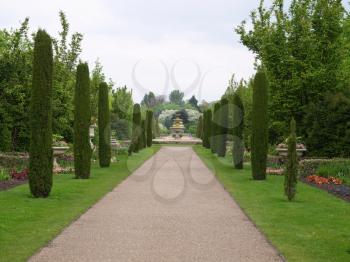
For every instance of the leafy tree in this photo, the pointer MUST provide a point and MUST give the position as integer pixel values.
(149, 125)
(291, 173)
(82, 118)
(215, 128)
(259, 126)
(176, 97)
(136, 129)
(121, 117)
(40, 152)
(104, 126)
(149, 100)
(222, 127)
(97, 77)
(193, 101)
(238, 127)
(302, 50)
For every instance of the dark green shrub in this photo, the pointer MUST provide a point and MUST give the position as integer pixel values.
(104, 126)
(82, 118)
(40, 152)
(291, 173)
(149, 125)
(215, 128)
(136, 129)
(223, 127)
(238, 127)
(259, 138)
(207, 122)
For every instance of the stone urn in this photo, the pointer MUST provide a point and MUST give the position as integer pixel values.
(58, 151)
(282, 150)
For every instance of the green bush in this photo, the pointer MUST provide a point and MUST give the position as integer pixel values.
(207, 128)
(40, 151)
(104, 126)
(4, 176)
(82, 118)
(291, 173)
(259, 137)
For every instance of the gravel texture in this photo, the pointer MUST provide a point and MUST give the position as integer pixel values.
(170, 209)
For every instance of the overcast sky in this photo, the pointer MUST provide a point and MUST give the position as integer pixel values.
(154, 45)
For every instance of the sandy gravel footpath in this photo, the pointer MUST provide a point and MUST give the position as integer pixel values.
(170, 209)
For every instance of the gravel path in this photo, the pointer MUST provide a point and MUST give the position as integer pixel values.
(170, 209)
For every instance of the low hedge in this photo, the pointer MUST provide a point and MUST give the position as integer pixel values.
(14, 160)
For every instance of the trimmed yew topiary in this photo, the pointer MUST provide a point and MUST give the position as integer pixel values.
(104, 126)
(222, 127)
(149, 125)
(259, 139)
(207, 128)
(215, 128)
(82, 117)
(238, 127)
(40, 151)
(143, 137)
(136, 129)
(291, 173)
(199, 131)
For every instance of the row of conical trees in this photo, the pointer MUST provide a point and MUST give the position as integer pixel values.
(142, 130)
(213, 128)
(40, 152)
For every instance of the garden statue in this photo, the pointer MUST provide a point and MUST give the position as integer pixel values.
(177, 129)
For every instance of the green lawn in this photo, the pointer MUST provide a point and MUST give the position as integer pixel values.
(26, 224)
(316, 227)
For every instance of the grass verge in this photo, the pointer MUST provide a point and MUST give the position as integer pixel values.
(315, 227)
(27, 224)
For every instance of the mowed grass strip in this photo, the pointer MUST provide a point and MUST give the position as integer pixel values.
(27, 224)
(315, 227)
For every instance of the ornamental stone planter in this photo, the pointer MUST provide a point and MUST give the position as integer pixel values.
(282, 150)
(58, 151)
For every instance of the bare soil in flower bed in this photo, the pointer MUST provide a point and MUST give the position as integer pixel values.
(341, 191)
(5, 185)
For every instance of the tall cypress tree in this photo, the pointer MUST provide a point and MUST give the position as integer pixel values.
(209, 128)
(82, 118)
(290, 177)
(199, 132)
(136, 129)
(149, 120)
(40, 151)
(104, 126)
(143, 137)
(238, 127)
(222, 127)
(204, 138)
(215, 128)
(259, 137)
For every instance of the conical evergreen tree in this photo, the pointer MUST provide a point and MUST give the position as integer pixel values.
(259, 137)
(136, 129)
(40, 151)
(290, 178)
(238, 127)
(149, 120)
(104, 126)
(82, 118)
(199, 132)
(143, 137)
(222, 127)
(215, 128)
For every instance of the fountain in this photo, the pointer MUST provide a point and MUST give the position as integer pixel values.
(177, 129)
